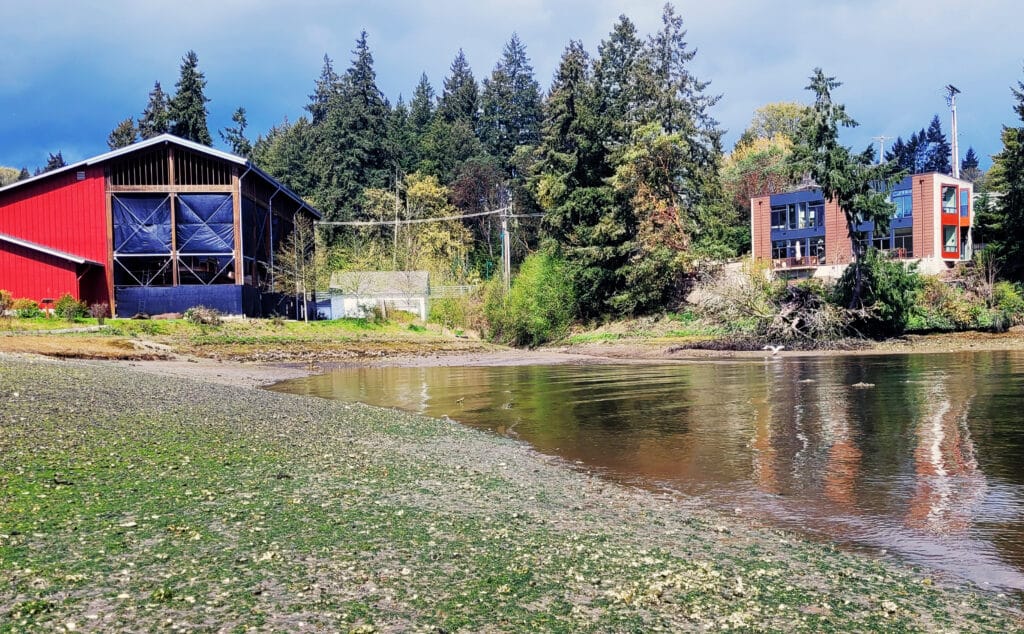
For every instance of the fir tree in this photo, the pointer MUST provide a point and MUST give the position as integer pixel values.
(284, 154)
(582, 212)
(623, 90)
(123, 135)
(351, 146)
(1008, 179)
(511, 104)
(55, 161)
(969, 170)
(402, 136)
(460, 99)
(938, 154)
(421, 110)
(850, 180)
(235, 137)
(156, 118)
(23, 174)
(328, 85)
(188, 107)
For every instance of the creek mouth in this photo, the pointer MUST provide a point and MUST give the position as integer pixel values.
(913, 456)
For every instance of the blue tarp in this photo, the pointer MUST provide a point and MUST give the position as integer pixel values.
(205, 223)
(142, 224)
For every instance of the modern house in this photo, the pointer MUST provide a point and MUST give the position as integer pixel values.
(803, 234)
(155, 227)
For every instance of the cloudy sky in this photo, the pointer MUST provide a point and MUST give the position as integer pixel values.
(71, 70)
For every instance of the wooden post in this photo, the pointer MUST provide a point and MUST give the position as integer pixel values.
(110, 242)
(236, 211)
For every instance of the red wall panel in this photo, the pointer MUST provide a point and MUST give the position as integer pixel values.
(62, 213)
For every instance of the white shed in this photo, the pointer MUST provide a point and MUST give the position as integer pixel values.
(357, 293)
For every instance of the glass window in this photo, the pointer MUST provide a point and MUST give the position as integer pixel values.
(880, 243)
(903, 202)
(903, 242)
(780, 249)
(949, 240)
(965, 203)
(815, 215)
(778, 217)
(948, 199)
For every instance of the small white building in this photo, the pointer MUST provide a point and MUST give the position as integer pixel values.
(357, 293)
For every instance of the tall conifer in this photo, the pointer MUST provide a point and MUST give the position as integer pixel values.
(188, 106)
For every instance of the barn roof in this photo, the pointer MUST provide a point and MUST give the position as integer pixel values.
(381, 283)
(174, 140)
(57, 253)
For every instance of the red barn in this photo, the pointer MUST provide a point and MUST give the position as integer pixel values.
(159, 226)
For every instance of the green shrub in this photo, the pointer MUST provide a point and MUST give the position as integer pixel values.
(539, 306)
(26, 308)
(1009, 300)
(69, 308)
(449, 312)
(888, 293)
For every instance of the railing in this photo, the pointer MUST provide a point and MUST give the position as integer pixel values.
(794, 263)
(450, 291)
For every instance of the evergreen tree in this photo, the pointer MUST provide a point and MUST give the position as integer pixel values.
(235, 137)
(969, 170)
(1007, 178)
(188, 107)
(123, 135)
(421, 109)
(939, 153)
(284, 153)
(850, 180)
(55, 161)
(402, 136)
(582, 211)
(623, 89)
(156, 118)
(461, 96)
(328, 85)
(511, 104)
(23, 174)
(351, 146)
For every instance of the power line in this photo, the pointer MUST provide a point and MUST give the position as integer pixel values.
(415, 221)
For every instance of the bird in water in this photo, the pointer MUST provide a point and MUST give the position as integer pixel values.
(774, 349)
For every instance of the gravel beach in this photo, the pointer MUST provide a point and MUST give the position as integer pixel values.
(169, 496)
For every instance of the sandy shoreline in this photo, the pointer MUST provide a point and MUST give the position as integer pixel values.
(260, 374)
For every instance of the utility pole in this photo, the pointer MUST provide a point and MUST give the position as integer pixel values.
(951, 93)
(394, 246)
(881, 145)
(506, 250)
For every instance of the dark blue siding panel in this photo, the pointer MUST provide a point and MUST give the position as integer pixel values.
(177, 299)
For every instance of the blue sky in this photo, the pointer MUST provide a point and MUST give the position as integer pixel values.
(71, 69)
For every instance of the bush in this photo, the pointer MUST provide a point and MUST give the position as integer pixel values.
(100, 311)
(888, 294)
(69, 308)
(449, 312)
(538, 307)
(1009, 300)
(203, 316)
(26, 308)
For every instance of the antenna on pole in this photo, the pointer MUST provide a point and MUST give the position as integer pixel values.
(951, 93)
(881, 145)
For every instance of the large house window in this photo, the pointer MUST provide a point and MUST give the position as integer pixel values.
(903, 202)
(903, 242)
(780, 249)
(881, 243)
(965, 203)
(949, 240)
(948, 199)
(798, 215)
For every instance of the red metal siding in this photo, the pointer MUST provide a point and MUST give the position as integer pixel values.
(62, 213)
(27, 273)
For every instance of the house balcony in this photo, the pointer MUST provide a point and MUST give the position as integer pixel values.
(804, 262)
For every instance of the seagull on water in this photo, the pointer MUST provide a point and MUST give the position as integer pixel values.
(774, 349)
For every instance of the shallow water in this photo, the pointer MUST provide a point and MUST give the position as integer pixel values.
(919, 455)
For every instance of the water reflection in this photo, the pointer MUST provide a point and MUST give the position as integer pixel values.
(919, 454)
